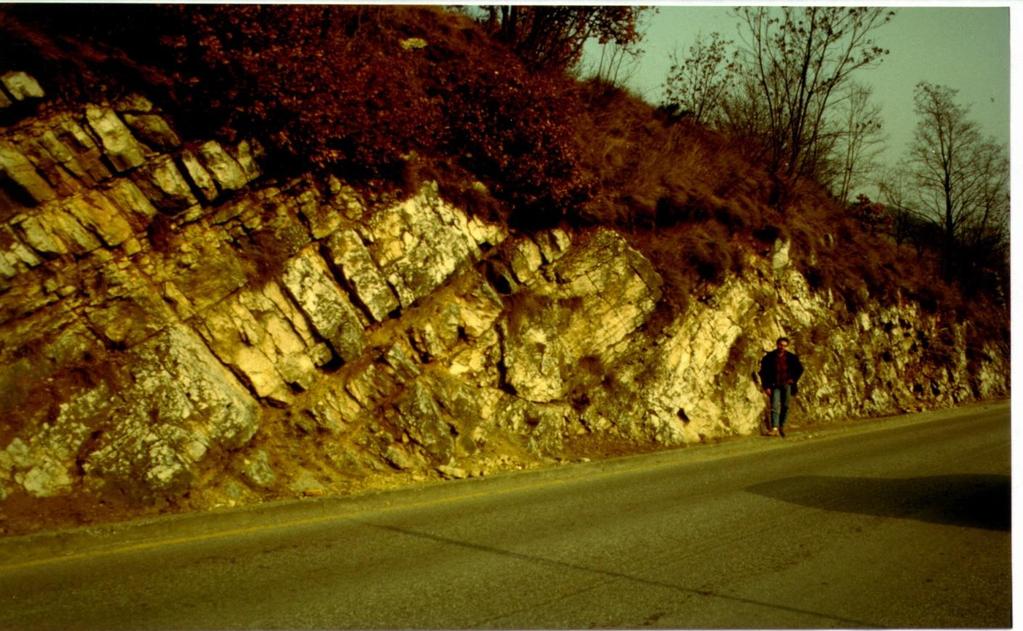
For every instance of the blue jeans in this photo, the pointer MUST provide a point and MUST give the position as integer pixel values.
(780, 405)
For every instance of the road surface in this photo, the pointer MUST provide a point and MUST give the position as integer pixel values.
(901, 523)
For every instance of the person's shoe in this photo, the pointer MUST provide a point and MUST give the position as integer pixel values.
(781, 432)
(774, 431)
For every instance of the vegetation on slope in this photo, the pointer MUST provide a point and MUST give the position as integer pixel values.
(387, 97)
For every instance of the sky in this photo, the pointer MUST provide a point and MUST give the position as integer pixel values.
(965, 48)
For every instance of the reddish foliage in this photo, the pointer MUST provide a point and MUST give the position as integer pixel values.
(351, 89)
(394, 94)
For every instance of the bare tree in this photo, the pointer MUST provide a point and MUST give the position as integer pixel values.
(616, 65)
(745, 116)
(859, 139)
(896, 188)
(957, 173)
(800, 57)
(961, 183)
(988, 224)
(697, 83)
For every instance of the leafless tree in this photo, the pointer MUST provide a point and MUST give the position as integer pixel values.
(800, 58)
(858, 140)
(896, 189)
(697, 83)
(961, 179)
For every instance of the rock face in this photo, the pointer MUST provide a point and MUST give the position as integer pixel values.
(176, 328)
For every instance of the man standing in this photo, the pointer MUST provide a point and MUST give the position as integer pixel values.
(779, 372)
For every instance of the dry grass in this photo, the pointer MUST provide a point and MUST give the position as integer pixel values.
(531, 149)
(266, 255)
(696, 206)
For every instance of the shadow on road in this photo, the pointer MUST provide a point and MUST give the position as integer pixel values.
(975, 501)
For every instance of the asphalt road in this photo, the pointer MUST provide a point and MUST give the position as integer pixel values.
(902, 523)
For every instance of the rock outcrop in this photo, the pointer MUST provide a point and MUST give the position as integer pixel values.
(177, 329)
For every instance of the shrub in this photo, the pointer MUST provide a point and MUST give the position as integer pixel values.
(710, 250)
(340, 89)
(388, 96)
(514, 132)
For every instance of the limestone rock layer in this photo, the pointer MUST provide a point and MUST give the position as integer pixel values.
(177, 329)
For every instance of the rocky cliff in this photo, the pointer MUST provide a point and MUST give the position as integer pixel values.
(179, 331)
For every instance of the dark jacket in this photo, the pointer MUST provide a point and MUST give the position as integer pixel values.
(769, 368)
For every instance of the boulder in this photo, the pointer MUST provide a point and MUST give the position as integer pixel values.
(186, 260)
(180, 402)
(43, 463)
(96, 212)
(165, 186)
(126, 308)
(20, 178)
(39, 236)
(62, 156)
(86, 152)
(351, 258)
(21, 86)
(248, 153)
(8, 266)
(48, 478)
(63, 223)
(419, 243)
(119, 146)
(553, 243)
(400, 458)
(257, 469)
(418, 414)
(153, 130)
(312, 286)
(780, 254)
(249, 333)
(526, 259)
(199, 175)
(49, 167)
(224, 169)
(549, 332)
(132, 204)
